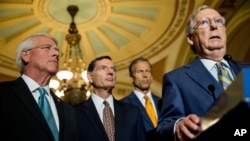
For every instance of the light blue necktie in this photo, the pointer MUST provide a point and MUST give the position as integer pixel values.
(223, 75)
(46, 110)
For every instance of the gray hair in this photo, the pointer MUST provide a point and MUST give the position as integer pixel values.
(191, 23)
(27, 44)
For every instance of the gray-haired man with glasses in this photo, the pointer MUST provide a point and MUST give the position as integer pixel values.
(190, 90)
(30, 111)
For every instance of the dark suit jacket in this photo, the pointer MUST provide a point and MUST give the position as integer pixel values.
(22, 120)
(151, 133)
(128, 123)
(186, 91)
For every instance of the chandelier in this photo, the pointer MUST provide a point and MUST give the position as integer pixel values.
(71, 83)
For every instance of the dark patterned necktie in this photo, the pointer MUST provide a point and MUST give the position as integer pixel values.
(47, 113)
(150, 110)
(223, 75)
(108, 121)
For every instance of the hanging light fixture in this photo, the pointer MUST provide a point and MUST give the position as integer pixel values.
(73, 86)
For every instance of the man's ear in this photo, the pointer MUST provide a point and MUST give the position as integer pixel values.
(90, 77)
(25, 56)
(190, 40)
(131, 79)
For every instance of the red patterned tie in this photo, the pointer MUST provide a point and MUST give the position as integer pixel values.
(108, 121)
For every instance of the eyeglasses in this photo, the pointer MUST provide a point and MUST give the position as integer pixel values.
(205, 22)
(105, 68)
(47, 48)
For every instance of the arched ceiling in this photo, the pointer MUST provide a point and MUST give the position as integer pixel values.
(123, 29)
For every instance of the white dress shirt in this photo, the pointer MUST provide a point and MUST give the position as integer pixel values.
(32, 85)
(211, 67)
(141, 98)
(98, 102)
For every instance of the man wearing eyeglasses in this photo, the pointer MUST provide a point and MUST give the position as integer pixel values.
(190, 90)
(102, 117)
(30, 111)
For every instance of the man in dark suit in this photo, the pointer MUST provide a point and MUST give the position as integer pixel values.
(189, 91)
(140, 71)
(21, 117)
(125, 119)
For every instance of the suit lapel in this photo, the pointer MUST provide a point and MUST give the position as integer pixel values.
(22, 91)
(93, 118)
(118, 122)
(234, 68)
(203, 80)
(157, 104)
(59, 107)
(135, 101)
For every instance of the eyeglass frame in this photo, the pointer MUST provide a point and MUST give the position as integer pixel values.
(197, 26)
(48, 48)
(104, 68)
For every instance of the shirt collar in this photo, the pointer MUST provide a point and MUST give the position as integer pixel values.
(140, 95)
(33, 85)
(98, 100)
(209, 64)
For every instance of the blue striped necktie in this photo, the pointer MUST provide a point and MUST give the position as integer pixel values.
(223, 75)
(46, 110)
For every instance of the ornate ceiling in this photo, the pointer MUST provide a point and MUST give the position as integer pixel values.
(122, 29)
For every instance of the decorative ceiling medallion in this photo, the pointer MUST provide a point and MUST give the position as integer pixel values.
(54, 11)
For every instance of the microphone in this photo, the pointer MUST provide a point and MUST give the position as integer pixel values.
(227, 57)
(211, 88)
